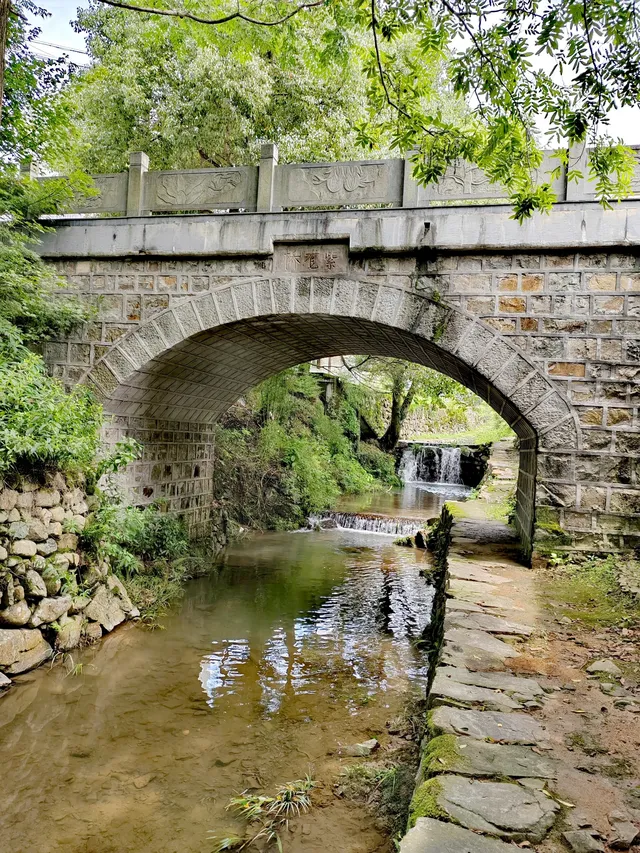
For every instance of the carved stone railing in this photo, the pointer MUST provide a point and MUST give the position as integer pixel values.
(270, 187)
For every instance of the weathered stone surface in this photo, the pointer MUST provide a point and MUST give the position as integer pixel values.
(3, 553)
(16, 615)
(468, 757)
(35, 586)
(47, 497)
(582, 841)
(50, 609)
(487, 725)
(469, 657)
(68, 542)
(22, 649)
(24, 548)
(360, 750)
(4, 682)
(513, 685)
(604, 667)
(446, 691)
(8, 499)
(47, 548)
(18, 530)
(487, 622)
(52, 581)
(480, 593)
(504, 809)
(37, 530)
(105, 608)
(624, 831)
(68, 637)
(92, 632)
(481, 640)
(116, 586)
(466, 570)
(435, 836)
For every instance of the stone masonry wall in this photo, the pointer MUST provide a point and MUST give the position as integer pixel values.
(574, 316)
(52, 597)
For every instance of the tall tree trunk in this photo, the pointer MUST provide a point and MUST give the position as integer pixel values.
(5, 9)
(399, 411)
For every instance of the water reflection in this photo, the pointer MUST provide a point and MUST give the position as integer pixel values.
(298, 644)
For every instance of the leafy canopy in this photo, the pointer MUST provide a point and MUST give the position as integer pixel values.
(35, 116)
(519, 66)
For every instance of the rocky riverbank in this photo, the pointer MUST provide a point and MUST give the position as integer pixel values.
(53, 597)
(512, 709)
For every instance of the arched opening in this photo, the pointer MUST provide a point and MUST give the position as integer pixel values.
(168, 381)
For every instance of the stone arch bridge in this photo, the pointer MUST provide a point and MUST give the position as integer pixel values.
(542, 321)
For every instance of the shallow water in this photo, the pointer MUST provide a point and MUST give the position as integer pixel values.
(415, 500)
(301, 643)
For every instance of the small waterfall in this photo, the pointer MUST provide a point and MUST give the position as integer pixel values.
(430, 464)
(369, 523)
(450, 465)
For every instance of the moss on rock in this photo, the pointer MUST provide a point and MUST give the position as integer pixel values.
(425, 802)
(441, 755)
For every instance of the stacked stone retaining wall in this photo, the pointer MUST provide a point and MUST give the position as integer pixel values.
(53, 597)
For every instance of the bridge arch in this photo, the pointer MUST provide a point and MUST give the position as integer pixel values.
(171, 377)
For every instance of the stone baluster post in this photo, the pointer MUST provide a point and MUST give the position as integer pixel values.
(409, 186)
(578, 159)
(28, 169)
(138, 166)
(266, 177)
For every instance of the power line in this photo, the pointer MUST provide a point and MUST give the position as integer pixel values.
(60, 47)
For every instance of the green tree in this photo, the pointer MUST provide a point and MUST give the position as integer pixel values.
(34, 117)
(385, 390)
(192, 96)
(518, 64)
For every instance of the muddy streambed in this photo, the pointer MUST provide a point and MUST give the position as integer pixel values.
(301, 643)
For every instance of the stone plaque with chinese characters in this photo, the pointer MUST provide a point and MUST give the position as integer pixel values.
(311, 258)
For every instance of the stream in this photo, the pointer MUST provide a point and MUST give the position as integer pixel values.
(297, 646)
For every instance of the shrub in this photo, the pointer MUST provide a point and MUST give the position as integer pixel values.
(379, 464)
(41, 426)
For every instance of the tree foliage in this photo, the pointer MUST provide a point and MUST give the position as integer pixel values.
(520, 66)
(34, 113)
(191, 96)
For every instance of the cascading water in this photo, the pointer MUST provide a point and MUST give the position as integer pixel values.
(450, 465)
(369, 523)
(430, 464)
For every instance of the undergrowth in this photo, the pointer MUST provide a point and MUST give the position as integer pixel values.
(587, 590)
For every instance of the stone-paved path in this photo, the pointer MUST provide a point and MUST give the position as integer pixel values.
(495, 772)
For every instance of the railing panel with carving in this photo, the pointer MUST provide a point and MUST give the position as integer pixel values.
(201, 189)
(466, 182)
(585, 188)
(314, 185)
(110, 198)
(339, 184)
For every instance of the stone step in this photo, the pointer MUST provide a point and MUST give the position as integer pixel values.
(482, 621)
(445, 691)
(504, 809)
(468, 757)
(434, 836)
(468, 571)
(482, 640)
(522, 689)
(494, 726)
